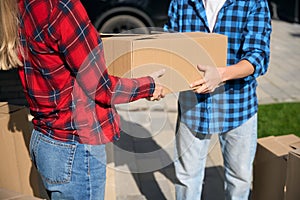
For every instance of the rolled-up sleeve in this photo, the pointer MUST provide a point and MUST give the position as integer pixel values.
(257, 35)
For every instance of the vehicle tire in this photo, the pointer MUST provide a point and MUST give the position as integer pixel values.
(273, 10)
(123, 23)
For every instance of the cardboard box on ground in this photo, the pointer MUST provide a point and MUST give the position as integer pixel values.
(293, 174)
(6, 194)
(17, 173)
(277, 168)
(178, 53)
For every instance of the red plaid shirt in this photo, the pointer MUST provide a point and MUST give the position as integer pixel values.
(64, 77)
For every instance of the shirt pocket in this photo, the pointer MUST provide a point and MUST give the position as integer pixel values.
(36, 47)
(45, 57)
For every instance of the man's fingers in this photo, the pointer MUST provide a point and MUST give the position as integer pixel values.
(197, 83)
(201, 89)
(200, 82)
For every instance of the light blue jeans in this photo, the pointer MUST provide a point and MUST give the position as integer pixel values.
(238, 149)
(69, 170)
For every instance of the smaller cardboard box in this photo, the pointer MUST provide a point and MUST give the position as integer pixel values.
(178, 53)
(17, 172)
(9, 195)
(270, 166)
(293, 174)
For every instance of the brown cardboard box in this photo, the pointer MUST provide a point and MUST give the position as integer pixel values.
(293, 174)
(16, 170)
(9, 195)
(178, 53)
(270, 166)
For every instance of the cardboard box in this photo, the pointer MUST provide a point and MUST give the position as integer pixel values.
(178, 53)
(270, 166)
(9, 195)
(17, 172)
(293, 174)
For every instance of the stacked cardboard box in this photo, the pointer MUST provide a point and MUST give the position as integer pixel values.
(17, 172)
(293, 174)
(276, 168)
(9, 195)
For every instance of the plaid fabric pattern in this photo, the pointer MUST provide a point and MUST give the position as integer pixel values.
(247, 25)
(65, 79)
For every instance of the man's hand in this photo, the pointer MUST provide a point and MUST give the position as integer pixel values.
(159, 91)
(211, 80)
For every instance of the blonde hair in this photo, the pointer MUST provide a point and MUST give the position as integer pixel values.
(9, 37)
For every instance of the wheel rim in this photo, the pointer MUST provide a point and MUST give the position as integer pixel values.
(123, 23)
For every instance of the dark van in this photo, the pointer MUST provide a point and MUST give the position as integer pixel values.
(116, 16)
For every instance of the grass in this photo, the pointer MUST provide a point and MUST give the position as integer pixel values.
(279, 119)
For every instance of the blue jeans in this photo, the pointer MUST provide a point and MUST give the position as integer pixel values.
(69, 170)
(238, 149)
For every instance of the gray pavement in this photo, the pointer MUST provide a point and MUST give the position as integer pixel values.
(141, 167)
(282, 81)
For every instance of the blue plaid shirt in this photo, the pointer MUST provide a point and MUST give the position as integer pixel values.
(247, 25)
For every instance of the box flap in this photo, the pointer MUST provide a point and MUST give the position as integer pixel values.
(108, 35)
(296, 152)
(3, 103)
(270, 144)
(295, 145)
(279, 146)
(287, 139)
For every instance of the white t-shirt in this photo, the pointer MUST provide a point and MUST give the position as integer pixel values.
(212, 8)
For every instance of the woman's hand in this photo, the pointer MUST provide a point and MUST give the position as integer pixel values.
(159, 91)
